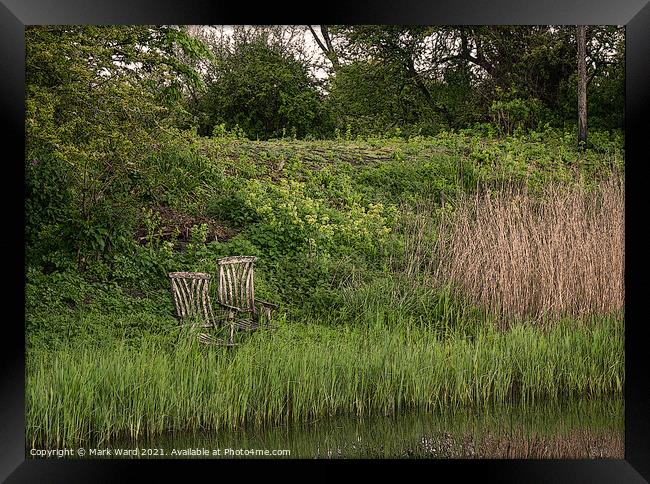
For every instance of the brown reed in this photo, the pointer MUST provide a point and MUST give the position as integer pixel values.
(548, 254)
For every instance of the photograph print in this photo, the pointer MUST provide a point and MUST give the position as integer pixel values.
(324, 241)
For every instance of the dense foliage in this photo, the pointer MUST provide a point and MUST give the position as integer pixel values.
(262, 90)
(319, 214)
(111, 112)
(98, 99)
(416, 78)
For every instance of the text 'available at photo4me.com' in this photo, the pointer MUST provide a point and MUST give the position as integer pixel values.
(203, 452)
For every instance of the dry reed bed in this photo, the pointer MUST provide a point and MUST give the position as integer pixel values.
(542, 255)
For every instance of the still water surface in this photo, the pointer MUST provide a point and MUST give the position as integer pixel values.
(575, 429)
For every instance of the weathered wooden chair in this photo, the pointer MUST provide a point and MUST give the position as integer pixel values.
(236, 295)
(193, 305)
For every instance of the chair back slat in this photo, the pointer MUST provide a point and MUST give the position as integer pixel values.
(236, 282)
(233, 278)
(191, 295)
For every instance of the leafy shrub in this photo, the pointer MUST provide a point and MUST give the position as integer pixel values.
(517, 113)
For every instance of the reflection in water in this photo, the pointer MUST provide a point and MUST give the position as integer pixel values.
(580, 429)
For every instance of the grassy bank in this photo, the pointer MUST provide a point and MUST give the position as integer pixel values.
(401, 285)
(301, 372)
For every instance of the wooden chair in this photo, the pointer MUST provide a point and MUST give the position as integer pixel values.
(193, 305)
(236, 295)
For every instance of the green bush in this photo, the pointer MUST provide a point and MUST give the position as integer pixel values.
(517, 114)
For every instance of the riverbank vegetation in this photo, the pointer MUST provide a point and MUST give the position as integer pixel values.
(305, 371)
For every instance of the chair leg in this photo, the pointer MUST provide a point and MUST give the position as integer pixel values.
(231, 318)
(182, 329)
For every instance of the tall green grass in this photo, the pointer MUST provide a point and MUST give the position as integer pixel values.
(305, 371)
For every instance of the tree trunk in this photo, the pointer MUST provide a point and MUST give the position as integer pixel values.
(582, 84)
(326, 45)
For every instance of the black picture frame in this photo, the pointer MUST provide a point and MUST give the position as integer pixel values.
(634, 14)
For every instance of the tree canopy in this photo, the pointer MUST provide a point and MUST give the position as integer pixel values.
(263, 89)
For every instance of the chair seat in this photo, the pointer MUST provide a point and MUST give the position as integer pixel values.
(246, 324)
(211, 340)
(212, 323)
(252, 324)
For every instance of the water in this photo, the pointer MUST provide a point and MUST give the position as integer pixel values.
(578, 429)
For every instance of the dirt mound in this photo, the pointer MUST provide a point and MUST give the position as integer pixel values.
(177, 226)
